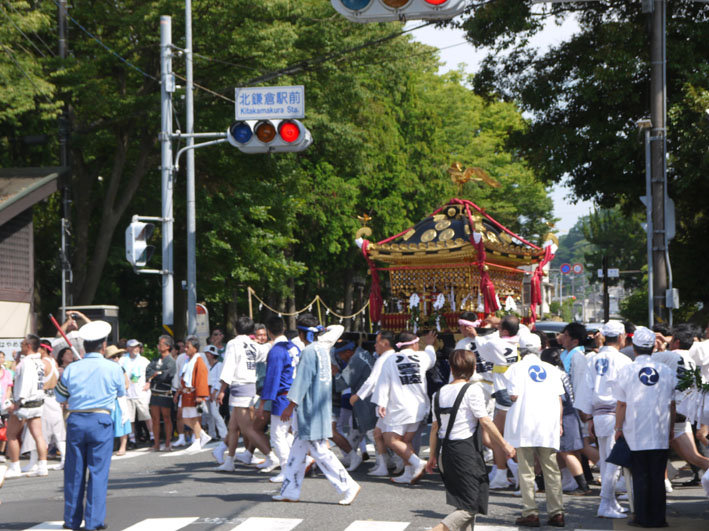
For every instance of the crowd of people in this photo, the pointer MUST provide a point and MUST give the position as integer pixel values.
(552, 410)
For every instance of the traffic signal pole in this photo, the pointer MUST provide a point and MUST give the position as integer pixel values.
(167, 87)
(190, 181)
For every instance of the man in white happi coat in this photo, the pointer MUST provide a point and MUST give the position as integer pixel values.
(238, 376)
(645, 391)
(603, 368)
(384, 348)
(402, 399)
(533, 427)
(501, 350)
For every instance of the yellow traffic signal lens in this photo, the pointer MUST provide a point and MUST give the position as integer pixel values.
(265, 132)
(395, 4)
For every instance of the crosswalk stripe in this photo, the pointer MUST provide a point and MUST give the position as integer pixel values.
(207, 448)
(47, 526)
(373, 525)
(267, 524)
(163, 524)
(130, 454)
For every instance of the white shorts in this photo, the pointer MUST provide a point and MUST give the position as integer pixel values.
(190, 413)
(138, 407)
(400, 429)
(25, 413)
(680, 428)
(240, 401)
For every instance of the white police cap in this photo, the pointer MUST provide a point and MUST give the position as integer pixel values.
(95, 331)
(643, 337)
(613, 328)
(530, 341)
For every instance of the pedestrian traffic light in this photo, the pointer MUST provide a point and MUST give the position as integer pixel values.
(265, 136)
(138, 252)
(390, 10)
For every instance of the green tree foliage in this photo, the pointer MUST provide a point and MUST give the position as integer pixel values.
(386, 127)
(621, 239)
(585, 94)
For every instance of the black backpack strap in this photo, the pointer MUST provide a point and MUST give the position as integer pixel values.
(454, 410)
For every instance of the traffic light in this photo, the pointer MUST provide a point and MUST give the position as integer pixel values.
(390, 10)
(265, 136)
(138, 252)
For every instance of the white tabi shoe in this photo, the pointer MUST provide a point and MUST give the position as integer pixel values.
(355, 461)
(618, 507)
(499, 481)
(350, 495)
(277, 479)
(39, 472)
(280, 498)
(180, 441)
(204, 439)
(406, 477)
(705, 482)
(243, 457)
(194, 448)
(271, 464)
(606, 510)
(219, 452)
(398, 465)
(227, 465)
(380, 469)
(13, 471)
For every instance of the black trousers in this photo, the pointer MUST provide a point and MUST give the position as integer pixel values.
(648, 469)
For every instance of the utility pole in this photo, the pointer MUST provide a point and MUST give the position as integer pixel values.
(189, 168)
(167, 87)
(67, 276)
(658, 161)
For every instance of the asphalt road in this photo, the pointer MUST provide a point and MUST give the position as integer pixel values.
(171, 491)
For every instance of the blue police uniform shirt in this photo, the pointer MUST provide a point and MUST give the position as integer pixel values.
(91, 383)
(282, 358)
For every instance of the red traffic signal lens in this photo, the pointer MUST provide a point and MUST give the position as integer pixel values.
(289, 131)
(265, 131)
(435, 2)
(395, 4)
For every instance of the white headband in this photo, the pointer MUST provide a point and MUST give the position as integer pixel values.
(465, 322)
(408, 343)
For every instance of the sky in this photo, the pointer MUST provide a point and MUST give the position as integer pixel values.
(454, 50)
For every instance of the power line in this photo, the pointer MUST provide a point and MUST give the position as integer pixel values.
(8, 17)
(110, 50)
(19, 66)
(36, 34)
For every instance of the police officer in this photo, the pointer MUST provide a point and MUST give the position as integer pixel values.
(644, 413)
(90, 388)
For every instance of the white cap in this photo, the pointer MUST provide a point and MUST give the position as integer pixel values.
(530, 341)
(643, 337)
(613, 328)
(133, 343)
(211, 349)
(95, 330)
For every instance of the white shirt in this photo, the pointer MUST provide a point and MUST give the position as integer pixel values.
(135, 369)
(699, 354)
(214, 372)
(471, 409)
(242, 354)
(603, 368)
(501, 352)
(533, 420)
(647, 387)
(483, 369)
(29, 379)
(401, 388)
(179, 364)
(370, 383)
(678, 361)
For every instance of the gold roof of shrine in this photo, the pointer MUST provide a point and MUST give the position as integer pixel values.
(444, 238)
